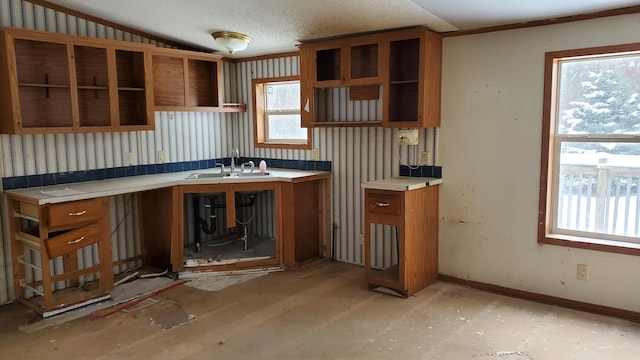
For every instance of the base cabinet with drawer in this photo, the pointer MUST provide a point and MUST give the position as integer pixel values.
(401, 239)
(45, 243)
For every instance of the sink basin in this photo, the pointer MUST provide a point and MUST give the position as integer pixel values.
(205, 175)
(253, 174)
(225, 175)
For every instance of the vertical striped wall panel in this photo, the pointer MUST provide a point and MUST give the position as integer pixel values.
(183, 136)
(357, 154)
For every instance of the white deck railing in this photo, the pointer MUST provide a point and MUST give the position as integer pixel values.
(600, 199)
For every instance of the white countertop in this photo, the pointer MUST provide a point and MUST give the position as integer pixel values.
(401, 183)
(118, 186)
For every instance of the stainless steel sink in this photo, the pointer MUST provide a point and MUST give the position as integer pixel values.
(205, 175)
(225, 175)
(257, 173)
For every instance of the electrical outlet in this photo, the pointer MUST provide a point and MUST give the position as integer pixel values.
(161, 158)
(408, 136)
(315, 154)
(128, 159)
(583, 272)
(424, 159)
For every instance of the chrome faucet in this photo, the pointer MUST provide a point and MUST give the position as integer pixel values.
(250, 163)
(221, 167)
(234, 154)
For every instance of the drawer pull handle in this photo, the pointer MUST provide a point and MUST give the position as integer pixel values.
(380, 204)
(81, 238)
(79, 213)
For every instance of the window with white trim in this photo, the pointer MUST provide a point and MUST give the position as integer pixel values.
(277, 114)
(591, 149)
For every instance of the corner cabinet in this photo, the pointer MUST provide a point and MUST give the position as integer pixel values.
(401, 238)
(188, 81)
(389, 79)
(57, 83)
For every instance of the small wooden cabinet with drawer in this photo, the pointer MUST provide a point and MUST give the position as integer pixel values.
(401, 238)
(46, 241)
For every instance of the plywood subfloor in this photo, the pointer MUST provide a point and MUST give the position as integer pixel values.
(324, 311)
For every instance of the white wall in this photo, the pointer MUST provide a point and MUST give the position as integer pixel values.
(490, 153)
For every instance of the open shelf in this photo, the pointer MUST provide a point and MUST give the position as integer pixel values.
(44, 90)
(328, 64)
(404, 60)
(203, 83)
(364, 61)
(50, 107)
(132, 101)
(92, 77)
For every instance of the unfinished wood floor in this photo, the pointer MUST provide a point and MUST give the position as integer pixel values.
(324, 311)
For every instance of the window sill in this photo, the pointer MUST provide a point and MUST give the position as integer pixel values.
(283, 146)
(618, 247)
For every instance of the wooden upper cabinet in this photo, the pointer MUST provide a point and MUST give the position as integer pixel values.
(343, 62)
(188, 81)
(389, 79)
(57, 83)
(413, 76)
(36, 83)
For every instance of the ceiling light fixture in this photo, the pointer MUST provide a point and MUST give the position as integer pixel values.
(231, 41)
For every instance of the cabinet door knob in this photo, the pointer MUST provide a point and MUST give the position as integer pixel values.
(81, 238)
(79, 213)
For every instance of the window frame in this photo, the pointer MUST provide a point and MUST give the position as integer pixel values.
(260, 128)
(550, 148)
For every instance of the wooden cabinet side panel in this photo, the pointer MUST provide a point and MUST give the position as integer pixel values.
(9, 101)
(17, 248)
(307, 76)
(306, 222)
(432, 80)
(288, 228)
(421, 238)
(157, 213)
(105, 249)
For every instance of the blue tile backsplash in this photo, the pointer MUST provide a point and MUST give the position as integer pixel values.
(421, 171)
(19, 182)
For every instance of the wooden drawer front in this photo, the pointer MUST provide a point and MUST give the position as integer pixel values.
(385, 203)
(75, 212)
(72, 240)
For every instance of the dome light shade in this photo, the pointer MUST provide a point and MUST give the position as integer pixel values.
(231, 41)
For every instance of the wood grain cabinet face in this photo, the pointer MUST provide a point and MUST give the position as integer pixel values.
(399, 68)
(92, 78)
(36, 86)
(188, 81)
(57, 83)
(401, 239)
(76, 212)
(72, 240)
(413, 79)
(45, 241)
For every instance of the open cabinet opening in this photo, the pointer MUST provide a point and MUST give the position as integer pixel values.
(208, 238)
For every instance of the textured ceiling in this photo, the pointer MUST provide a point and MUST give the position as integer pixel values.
(278, 25)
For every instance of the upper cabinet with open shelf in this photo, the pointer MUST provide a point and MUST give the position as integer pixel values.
(389, 79)
(56, 83)
(188, 81)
